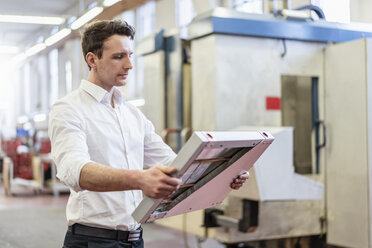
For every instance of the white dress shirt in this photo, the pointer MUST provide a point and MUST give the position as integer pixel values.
(84, 127)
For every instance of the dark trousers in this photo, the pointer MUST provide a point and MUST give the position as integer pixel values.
(80, 241)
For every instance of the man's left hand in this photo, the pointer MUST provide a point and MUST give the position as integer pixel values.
(239, 180)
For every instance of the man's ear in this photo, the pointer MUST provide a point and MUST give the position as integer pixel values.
(91, 60)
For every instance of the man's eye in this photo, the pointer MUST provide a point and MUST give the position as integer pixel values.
(118, 57)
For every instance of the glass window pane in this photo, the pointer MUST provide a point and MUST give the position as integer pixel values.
(145, 20)
(68, 69)
(184, 12)
(334, 10)
(53, 62)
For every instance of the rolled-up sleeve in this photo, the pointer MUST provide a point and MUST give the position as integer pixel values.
(68, 140)
(156, 152)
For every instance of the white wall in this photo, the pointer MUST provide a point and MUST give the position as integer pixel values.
(165, 16)
(360, 10)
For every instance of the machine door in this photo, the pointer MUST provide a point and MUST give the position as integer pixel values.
(300, 110)
(348, 167)
(154, 89)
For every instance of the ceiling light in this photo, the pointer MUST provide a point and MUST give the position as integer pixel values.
(39, 117)
(137, 102)
(86, 17)
(108, 3)
(35, 49)
(9, 49)
(49, 20)
(22, 119)
(57, 36)
(27, 126)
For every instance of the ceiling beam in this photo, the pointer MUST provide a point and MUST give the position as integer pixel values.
(118, 8)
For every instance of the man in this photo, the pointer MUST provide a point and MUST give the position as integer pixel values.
(100, 144)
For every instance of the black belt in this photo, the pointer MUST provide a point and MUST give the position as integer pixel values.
(106, 233)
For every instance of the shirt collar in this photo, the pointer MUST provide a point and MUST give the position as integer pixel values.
(100, 94)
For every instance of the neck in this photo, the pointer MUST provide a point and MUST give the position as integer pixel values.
(112, 101)
(93, 79)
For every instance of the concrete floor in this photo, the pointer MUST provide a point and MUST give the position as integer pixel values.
(38, 221)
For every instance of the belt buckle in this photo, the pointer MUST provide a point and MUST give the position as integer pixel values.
(134, 235)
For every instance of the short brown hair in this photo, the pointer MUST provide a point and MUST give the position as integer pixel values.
(97, 32)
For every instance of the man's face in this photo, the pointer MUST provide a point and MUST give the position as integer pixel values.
(113, 67)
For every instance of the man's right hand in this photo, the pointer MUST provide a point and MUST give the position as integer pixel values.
(156, 182)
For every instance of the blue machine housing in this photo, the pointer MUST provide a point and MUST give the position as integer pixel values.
(227, 21)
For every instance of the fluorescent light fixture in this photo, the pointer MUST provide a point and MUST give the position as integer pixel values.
(108, 3)
(35, 49)
(22, 119)
(9, 49)
(19, 58)
(39, 117)
(27, 126)
(48, 20)
(57, 36)
(137, 102)
(86, 17)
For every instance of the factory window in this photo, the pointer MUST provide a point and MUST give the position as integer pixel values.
(184, 12)
(145, 25)
(334, 10)
(140, 76)
(68, 69)
(129, 17)
(4, 85)
(53, 62)
(26, 88)
(131, 87)
(250, 6)
(145, 20)
(7, 106)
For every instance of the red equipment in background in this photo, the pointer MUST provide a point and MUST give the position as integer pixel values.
(22, 162)
(45, 148)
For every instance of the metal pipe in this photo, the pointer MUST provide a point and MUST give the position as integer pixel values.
(226, 221)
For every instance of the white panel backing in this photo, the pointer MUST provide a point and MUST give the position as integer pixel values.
(207, 165)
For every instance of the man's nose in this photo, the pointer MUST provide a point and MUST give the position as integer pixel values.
(128, 63)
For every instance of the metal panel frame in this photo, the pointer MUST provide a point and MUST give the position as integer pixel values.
(347, 172)
(369, 107)
(207, 145)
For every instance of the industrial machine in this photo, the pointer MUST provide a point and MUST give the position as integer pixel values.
(245, 71)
